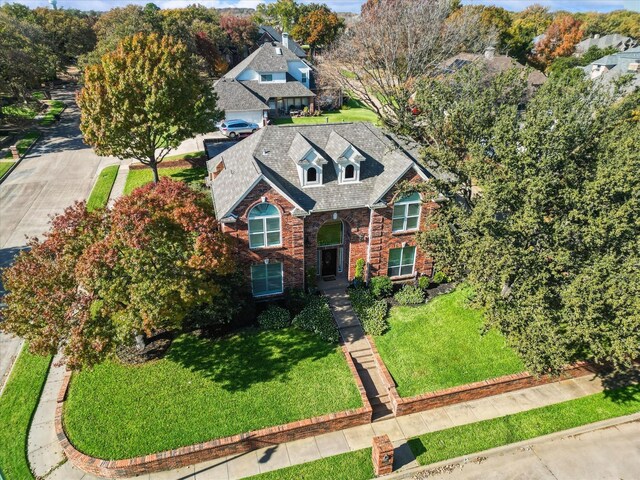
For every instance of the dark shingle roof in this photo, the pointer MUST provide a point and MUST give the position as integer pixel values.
(290, 88)
(265, 59)
(277, 36)
(233, 95)
(265, 155)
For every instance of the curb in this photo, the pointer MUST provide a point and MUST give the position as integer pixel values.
(504, 449)
(17, 162)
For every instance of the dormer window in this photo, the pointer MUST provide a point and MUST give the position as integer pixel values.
(312, 175)
(349, 172)
(266, 77)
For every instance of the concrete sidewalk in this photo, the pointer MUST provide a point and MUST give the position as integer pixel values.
(45, 453)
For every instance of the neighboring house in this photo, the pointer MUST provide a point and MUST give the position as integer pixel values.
(298, 197)
(269, 82)
(612, 67)
(269, 34)
(614, 40)
(495, 64)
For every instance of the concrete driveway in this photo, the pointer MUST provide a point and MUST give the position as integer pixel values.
(58, 171)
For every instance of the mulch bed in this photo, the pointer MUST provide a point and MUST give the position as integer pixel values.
(184, 163)
(155, 349)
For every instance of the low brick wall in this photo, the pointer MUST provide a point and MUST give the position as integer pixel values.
(212, 449)
(470, 391)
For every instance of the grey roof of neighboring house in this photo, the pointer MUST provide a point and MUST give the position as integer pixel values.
(265, 155)
(618, 65)
(233, 95)
(265, 59)
(612, 40)
(277, 36)
(290, 88)
(496, 63)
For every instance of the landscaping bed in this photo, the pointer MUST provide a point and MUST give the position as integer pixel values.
(194, 176)
(206, 389)
(440, 344)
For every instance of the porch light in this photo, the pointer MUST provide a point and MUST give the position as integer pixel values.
(264, 199)
(335, 215)
(266, 261)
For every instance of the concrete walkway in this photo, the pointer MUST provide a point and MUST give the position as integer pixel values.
(357, 344)
(45, 453)
(118, 186)
(10, 347)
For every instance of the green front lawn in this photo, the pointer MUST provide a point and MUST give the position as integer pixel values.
(347, 466)
(17, 406)
(476, 437)
(4, 166)
(102, 189)
(440, 345)
(137, 178)
(25, 142)
(352, 111)
(205, 389)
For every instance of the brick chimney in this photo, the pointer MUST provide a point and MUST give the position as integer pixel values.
(285, 39)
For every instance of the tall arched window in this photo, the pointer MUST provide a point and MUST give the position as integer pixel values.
(312, 175)
(349, 172)
(264, 226)
(406, 213)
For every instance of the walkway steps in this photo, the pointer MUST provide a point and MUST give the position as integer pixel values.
(358, 346)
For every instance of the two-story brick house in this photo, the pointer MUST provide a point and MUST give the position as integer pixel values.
(321, 196)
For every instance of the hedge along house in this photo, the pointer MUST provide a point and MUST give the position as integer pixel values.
(321, 197)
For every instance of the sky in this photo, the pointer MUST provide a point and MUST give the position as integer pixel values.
(342, 5)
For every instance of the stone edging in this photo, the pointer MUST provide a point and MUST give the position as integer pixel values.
(470, 391)
(201, 452)
(17, 162)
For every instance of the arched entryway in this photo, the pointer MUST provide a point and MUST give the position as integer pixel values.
(332, 242)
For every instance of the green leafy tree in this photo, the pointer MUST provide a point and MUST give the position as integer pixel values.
(562, 64)
(526, 25)
(550, 245)
(101, 278)
(283, 14)
(145, 99)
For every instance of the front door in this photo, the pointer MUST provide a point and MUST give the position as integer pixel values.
(329, 261)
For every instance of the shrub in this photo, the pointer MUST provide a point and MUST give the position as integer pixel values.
(316, 318)
(371, 312)
(359, 273)
(440, 277)
(274, 318)
(312, 279)
(296, 300)
(409, 295)
(424, 282)
(381, 287)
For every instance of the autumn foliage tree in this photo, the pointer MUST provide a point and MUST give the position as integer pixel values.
(144, 99)
(100, 278)
(318, 28)
(560, 40)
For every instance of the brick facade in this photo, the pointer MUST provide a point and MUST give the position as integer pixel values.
(367, 235)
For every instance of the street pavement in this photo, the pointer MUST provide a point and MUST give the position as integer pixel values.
(608, 453)
(58, 171)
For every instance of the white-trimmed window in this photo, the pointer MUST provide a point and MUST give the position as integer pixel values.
(312, 175)
(406, 213)
(401, 261)
(349, 172)
(266, 77)
(266, 279)
(305, 78)
(264, 226)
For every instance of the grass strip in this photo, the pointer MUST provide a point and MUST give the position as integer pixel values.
(4, 167)
(348, 466)
(137, 178)
(476, 437)
(25, 142)
(102, 189)
(17, 406)
(55, 108)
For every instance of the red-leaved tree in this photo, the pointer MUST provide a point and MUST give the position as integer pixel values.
(560, 40)
(99, 279)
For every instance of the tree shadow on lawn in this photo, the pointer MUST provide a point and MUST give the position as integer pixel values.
(189, 175)
(614, 383)
(247, 358)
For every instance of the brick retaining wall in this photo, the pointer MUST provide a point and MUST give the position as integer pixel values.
(221, 447)
(470, 391)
